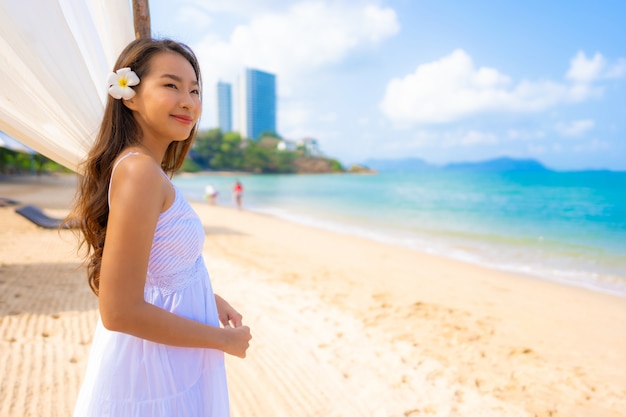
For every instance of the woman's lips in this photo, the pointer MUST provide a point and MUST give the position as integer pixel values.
(183, 119)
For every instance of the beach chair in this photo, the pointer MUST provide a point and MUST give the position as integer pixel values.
(4, 202)
(41, 219)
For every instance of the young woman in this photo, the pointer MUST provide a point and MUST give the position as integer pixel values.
(158, 348)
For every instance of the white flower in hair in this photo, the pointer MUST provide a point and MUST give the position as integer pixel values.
(119, 83)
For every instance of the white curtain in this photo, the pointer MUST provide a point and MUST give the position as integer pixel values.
(54, 59)
(8, 142)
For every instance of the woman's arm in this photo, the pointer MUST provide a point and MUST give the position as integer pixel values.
(138, 195)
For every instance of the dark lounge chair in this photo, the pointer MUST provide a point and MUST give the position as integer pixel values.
(4, 202)
(41, 219)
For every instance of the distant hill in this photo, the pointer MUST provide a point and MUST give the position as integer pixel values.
(503, 164)
(497, 165)
(398, 165)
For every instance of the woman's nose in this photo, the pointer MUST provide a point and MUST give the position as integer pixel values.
(189, 101)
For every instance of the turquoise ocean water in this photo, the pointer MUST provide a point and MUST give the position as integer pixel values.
(568, 227)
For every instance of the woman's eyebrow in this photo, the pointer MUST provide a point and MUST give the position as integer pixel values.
(177, 78)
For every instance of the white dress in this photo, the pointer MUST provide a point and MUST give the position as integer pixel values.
(131, 377)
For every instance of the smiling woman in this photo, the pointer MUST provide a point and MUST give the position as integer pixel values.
(145, 244)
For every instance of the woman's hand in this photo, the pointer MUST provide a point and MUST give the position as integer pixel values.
(237, 340)
(238, 336)
(229, 317)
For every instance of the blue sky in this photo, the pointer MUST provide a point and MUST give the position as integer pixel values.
(440, 80)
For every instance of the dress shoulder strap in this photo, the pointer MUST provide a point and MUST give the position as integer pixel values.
(113, 170)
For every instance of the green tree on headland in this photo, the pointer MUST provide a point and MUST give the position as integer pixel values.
(215, 150)
(212, 150)
(14, 162)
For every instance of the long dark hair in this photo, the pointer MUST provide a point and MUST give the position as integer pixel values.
(117, 132)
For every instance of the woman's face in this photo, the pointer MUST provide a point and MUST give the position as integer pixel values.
(167, 105)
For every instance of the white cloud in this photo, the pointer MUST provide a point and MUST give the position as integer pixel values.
(594, 145)
(618, 70)
(298, 119)
(536, 149)
(240, 7)
(460, 140)
(426, 138)
(528, 135)
(191, 16)
(575, 128)
(585, 70)
(327, 117)
(474, 137)
(393, 145)
(451, 89)
(379, 23)
(296, 40)
(293, 117)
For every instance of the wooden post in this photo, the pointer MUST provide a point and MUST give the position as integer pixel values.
(141, 18)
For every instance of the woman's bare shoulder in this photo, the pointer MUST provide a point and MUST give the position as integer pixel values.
(136, 178)
(135, 166)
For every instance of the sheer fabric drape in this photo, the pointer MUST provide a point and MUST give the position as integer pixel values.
(54, 59)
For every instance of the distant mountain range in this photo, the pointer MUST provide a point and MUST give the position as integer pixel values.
(503, 164)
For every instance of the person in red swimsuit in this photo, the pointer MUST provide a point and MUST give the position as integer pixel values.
(238, 194)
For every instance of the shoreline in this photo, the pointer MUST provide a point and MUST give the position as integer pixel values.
(553, 260)
(605, 283)
(341, 325)
(33, 189)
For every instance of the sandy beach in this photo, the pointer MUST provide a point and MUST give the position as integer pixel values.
(342, 326)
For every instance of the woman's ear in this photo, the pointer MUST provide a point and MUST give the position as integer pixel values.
(130, 103)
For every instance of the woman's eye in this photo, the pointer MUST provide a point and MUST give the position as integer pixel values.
(195, 92)
(170, 85)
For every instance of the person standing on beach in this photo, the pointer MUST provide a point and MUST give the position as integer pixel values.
(210, 193)
(158, 348)
(238, 194)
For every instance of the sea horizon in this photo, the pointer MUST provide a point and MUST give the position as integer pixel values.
(567, 227)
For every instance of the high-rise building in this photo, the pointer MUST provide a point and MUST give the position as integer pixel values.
(224, 107)
(257, 103)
